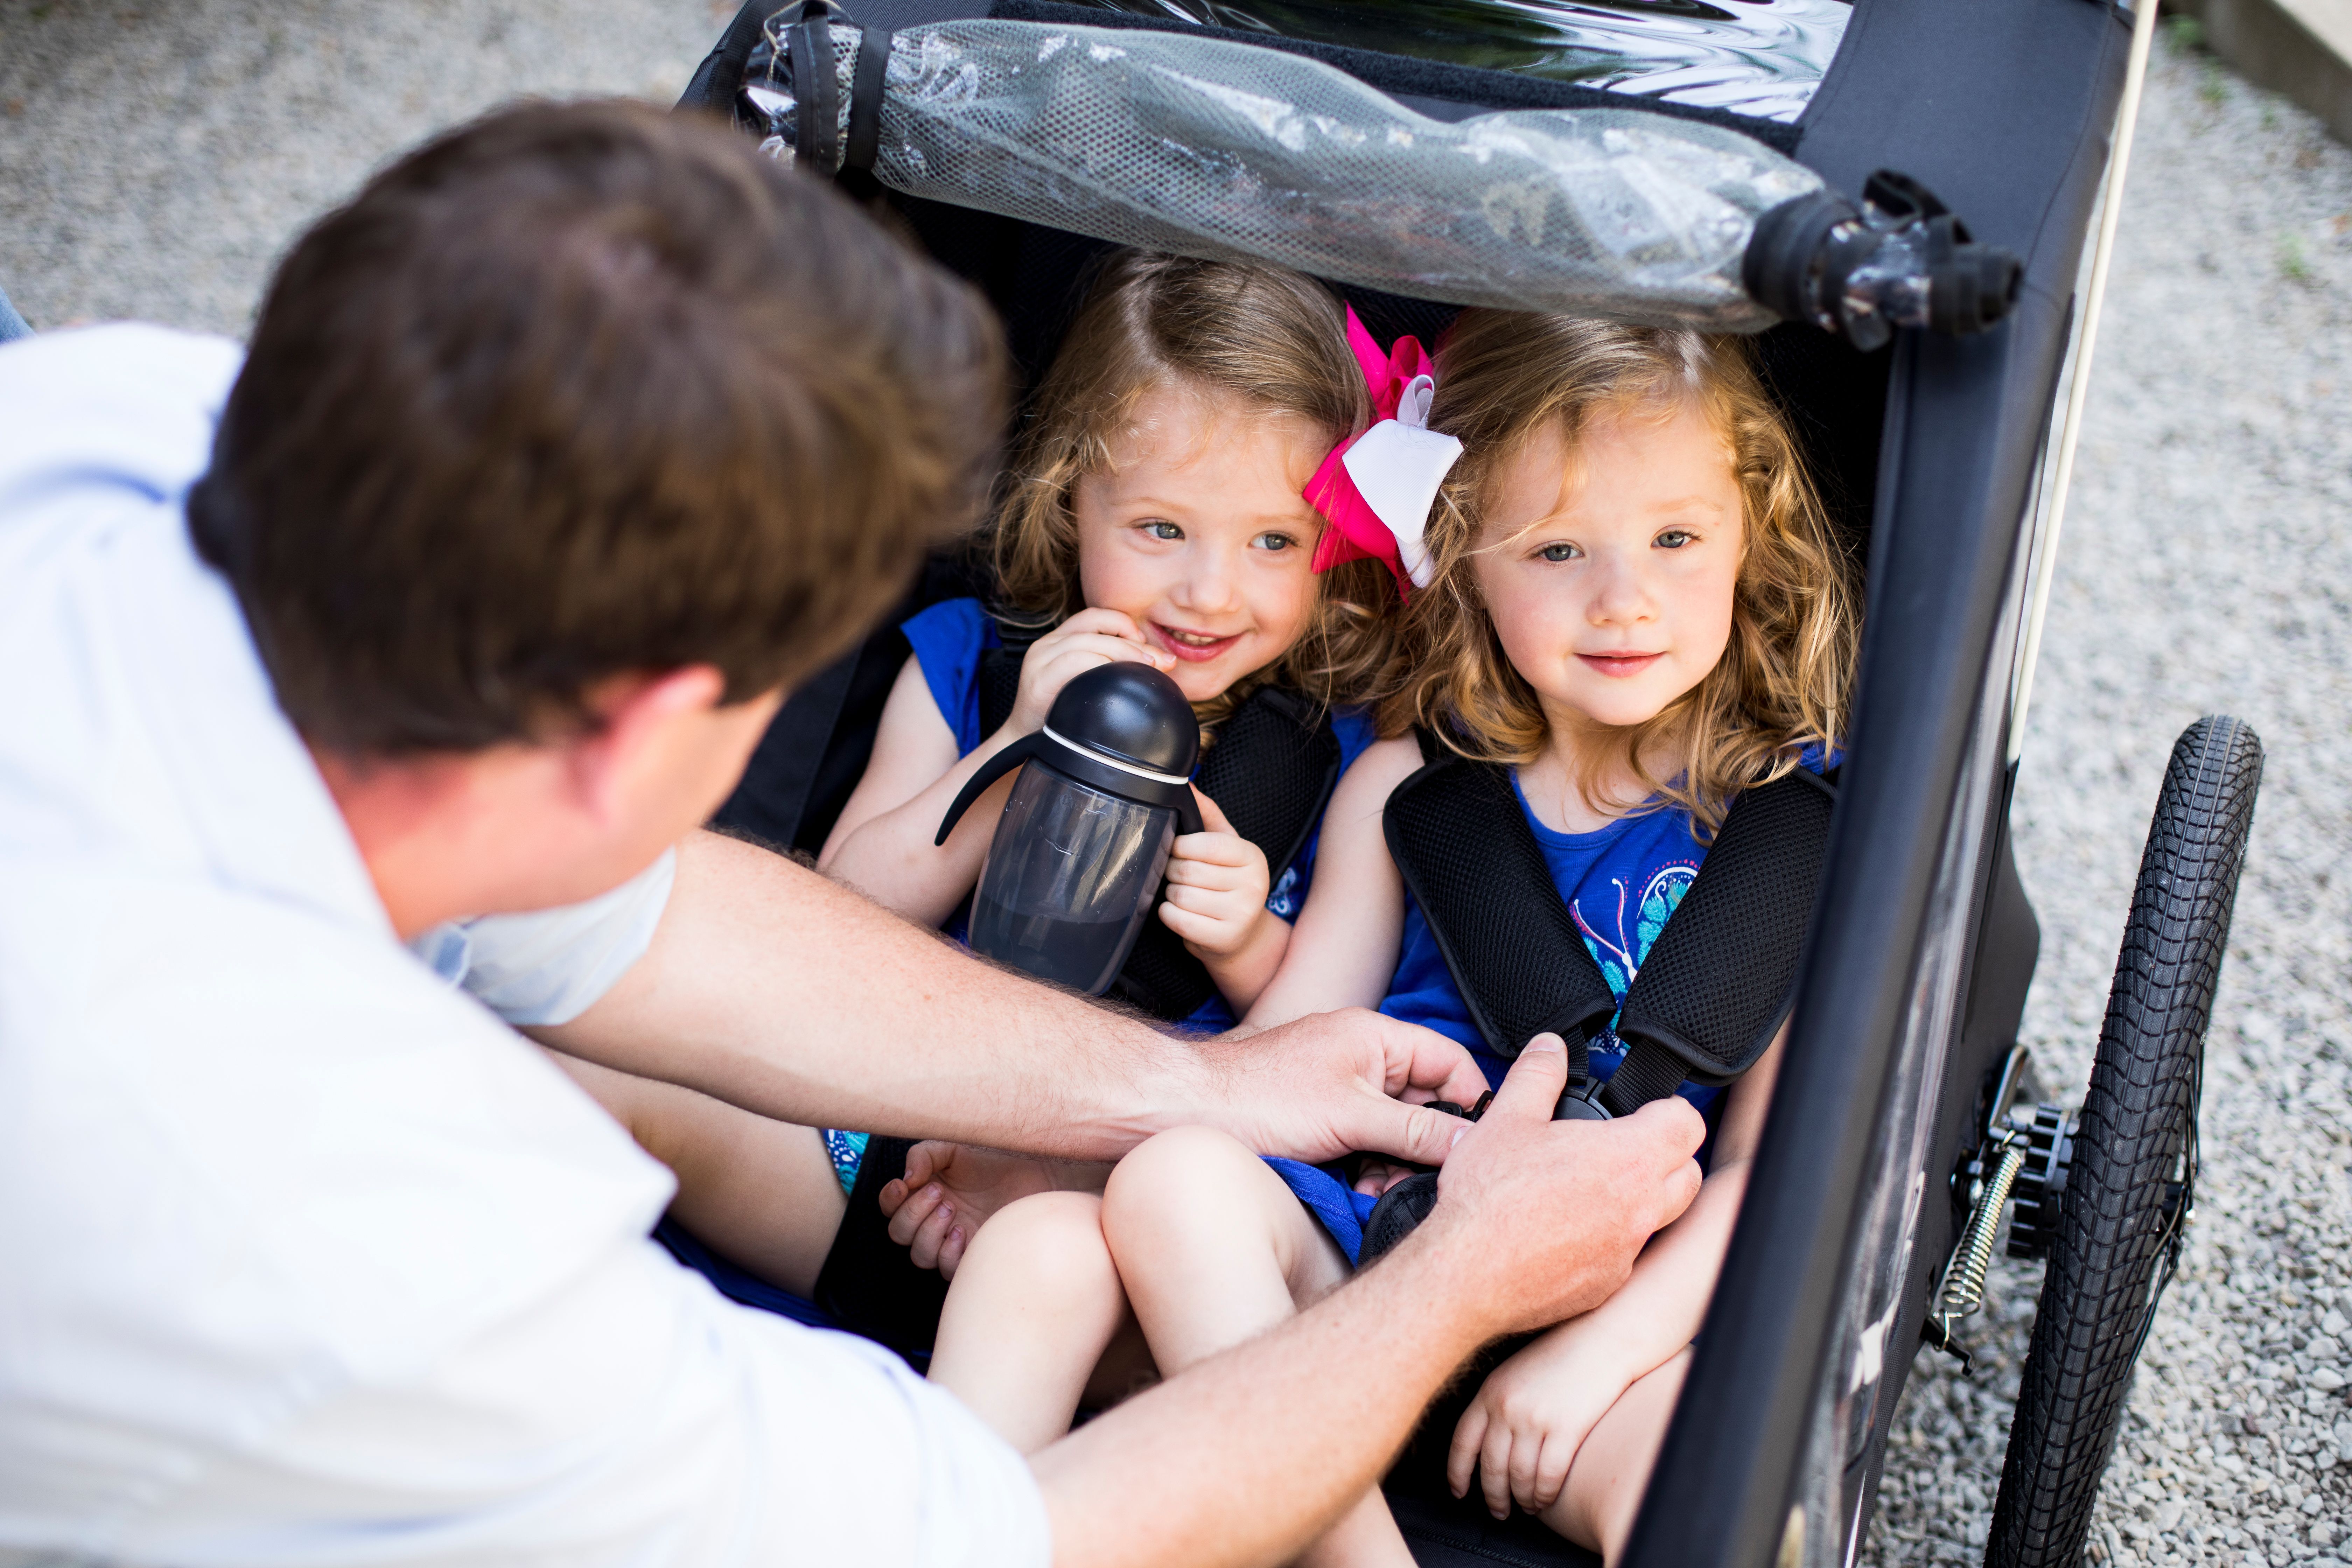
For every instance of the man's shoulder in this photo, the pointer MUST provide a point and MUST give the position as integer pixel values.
(121, 404)
(240, 1109)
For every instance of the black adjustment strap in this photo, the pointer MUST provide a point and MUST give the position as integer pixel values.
(866, 101)
(807, 34)
(1648, 1072)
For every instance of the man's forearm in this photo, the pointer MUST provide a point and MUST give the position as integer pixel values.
(1277, 1436)
(770, 987)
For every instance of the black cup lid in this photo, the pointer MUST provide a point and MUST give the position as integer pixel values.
(1131, 712)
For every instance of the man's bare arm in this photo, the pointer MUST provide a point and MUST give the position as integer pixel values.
(1536, 1221)
(774, 989)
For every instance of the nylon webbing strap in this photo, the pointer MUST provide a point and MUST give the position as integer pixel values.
(1718, 983)
(1461, 842)
(866, 101)
(806, 31)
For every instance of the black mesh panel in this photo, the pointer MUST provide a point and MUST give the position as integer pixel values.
(1717, 984)
(1458, 835)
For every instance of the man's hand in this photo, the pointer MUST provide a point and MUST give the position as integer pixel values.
(1502, 1193)
(949, 1190)
(1331, 1084)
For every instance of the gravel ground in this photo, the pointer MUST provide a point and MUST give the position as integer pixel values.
(155, 159)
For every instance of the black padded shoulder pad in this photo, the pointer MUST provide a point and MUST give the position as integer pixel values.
(1457, 835)
(1719, 981)
(1271, 772)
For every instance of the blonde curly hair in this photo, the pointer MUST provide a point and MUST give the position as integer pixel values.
(1782, 683)
(1268, 336)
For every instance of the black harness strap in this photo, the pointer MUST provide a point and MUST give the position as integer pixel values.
(1714, 988)
(1271, 772)
(1719, 981)
(865, 101)
(1457, 835)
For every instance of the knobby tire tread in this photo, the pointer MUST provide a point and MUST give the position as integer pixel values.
(2137, 1121)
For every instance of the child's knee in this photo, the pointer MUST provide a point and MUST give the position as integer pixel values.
(1183, 1180)
(1051, 1241)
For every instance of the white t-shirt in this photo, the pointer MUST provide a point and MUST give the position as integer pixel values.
(305, 1257)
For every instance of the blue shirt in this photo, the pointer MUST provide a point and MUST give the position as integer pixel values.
(947, 640)
(1620, 883)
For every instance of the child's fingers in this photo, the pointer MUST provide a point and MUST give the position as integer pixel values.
(1495, 1468)
(924, 1250)
(915, 1206)
(1469, 1434)
(1209, 875)
(951, 1251)
(1527, 1452)
(1204, 930)
(1210, 815)
(1552, 1474)
(1107, 623)
(1226, 850)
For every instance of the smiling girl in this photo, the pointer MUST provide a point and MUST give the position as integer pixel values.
(1154, 515)
(1633, 604)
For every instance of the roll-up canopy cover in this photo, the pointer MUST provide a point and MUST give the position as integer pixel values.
(1216, 149)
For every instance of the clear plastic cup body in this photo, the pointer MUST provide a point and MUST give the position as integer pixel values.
(1070, 877)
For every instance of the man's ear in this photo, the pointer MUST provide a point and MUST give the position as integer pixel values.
(633, 718)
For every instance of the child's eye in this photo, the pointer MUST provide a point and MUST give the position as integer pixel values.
(1563, 551)
(1160, 528)
(1275, 542)
(1673, 539)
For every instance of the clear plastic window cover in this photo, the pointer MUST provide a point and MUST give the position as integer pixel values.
(1222, 150)
(1759, 57)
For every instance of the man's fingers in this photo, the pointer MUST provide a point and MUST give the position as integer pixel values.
(1462, 1459)
(1531, 1089)
(893, 1194)
(1426, 1061)
(1672, 1129)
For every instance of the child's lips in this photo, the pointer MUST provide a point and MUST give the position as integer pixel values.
(1192, 646)
(1620, 665)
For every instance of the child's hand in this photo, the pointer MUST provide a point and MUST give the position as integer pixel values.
(1088, 638)
(1522, 1431)
(949, 1190)
(1375, 1176)
(1217, 884)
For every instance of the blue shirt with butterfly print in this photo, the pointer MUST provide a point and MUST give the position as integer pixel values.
(1620, 882)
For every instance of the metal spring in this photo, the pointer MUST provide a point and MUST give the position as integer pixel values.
(1962, 1291)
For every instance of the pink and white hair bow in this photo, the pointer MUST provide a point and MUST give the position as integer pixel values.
(1375, 489)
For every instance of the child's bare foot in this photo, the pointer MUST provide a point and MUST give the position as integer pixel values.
(949, 1190)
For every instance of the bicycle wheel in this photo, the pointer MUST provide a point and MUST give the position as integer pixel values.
(2133, 1179)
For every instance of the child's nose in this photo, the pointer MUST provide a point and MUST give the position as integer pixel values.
(1619, 593)
(1210, 584)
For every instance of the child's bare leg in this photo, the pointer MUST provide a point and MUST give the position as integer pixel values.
(1214, 1249)
(1612, 1468)
(760, 1192)
(1034, 1307)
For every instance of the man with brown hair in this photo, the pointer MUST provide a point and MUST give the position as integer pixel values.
(432, 630)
